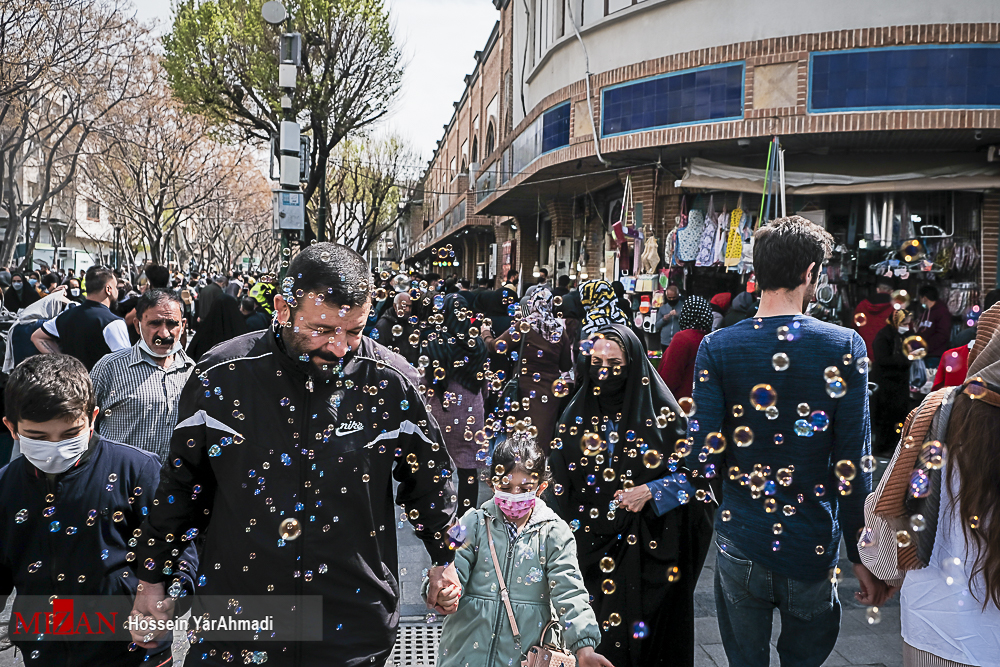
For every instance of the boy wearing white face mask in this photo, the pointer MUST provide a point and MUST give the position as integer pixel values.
(496, 621)
(68, 508)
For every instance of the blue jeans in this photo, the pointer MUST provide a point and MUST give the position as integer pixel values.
(746, 594)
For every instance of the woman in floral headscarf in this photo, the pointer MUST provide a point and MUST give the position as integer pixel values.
(677, 366)
(540, 352)
(600, 303)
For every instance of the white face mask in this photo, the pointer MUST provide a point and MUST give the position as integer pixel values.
(904, 330)
(75, 291)
(55, 457)
(174, 349)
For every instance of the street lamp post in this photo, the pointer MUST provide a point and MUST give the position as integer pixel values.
(288, 200)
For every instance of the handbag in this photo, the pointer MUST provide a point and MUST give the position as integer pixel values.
(544, 655)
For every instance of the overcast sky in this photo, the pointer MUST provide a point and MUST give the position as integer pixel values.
(438, 38)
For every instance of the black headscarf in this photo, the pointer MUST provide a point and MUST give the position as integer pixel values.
(449, 344)
(678, 539)
(14, 300)
(223, 322)
(495, 304)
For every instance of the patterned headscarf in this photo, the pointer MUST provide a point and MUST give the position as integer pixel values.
(696, 313)
(537, 308)
(601, 305)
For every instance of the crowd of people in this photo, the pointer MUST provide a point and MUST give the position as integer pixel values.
(262, 456)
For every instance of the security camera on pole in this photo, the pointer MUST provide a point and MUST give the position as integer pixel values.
(288, 200)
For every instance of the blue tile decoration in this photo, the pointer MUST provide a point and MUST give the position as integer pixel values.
(703, 95)
(923, 77)
(555, 128)
(548, 132)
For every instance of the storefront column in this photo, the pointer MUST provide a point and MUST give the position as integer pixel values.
(561, 214)
(527, 248)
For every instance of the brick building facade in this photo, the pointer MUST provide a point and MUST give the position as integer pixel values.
(908, 113)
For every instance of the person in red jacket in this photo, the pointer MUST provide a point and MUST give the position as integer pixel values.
(677, 365)
(871, 314)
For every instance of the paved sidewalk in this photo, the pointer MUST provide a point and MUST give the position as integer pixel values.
(859, 643)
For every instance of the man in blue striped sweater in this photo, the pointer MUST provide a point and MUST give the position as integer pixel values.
(782, 418)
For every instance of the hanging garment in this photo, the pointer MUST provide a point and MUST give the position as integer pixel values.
(734, 243)
(706, 249)
(689, 238)
(886, 222)
(721, 234)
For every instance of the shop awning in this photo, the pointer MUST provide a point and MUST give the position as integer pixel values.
(857, 176)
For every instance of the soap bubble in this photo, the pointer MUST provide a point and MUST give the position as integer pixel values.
(687, 406)
(836, 388)
(715, 443)
(780, 361)
(743, 436)
(290, 529)
(846, 469)
(914, 347)
(900, 299)
(763, 396)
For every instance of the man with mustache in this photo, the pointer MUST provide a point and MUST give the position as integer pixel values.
(138, 388)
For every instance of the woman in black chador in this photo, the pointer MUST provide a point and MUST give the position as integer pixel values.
(642, 521)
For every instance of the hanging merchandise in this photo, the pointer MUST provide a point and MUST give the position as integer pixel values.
(670, 246)
(706, 248)
(886, 233)
(689, 235)
(746, 235)
(962, 298)
(721, 234)
(734, 243)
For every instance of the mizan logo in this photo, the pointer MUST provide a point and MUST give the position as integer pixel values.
(62, 621)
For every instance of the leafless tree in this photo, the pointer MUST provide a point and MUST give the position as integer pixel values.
(161, 170)
(365, 185)
(238, 227)
(65, 66)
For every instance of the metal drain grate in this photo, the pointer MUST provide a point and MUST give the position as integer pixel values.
(416, 645)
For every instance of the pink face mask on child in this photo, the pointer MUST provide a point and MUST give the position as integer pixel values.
(515, 506)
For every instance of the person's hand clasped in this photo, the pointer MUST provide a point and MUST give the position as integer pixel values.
(151, 603)
(634, 499)
(587, 657)
(873, 592)
(448, 598)
(440, 580)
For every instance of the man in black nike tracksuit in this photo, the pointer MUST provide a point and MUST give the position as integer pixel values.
(308, 422)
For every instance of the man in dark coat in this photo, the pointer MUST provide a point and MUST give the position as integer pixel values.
(323, 420)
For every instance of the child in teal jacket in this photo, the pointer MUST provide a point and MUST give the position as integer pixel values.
(537, 556)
